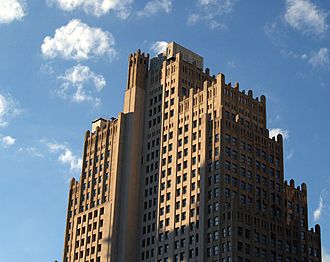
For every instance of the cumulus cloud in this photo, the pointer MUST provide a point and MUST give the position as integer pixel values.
(211, 11)
(275, 131)
(317, 59)
(8, 141)
(8, 108)
(78, 82)
(305, 16)
(320, 58)
(96, 7)
(11, 10)
(155, 6)
(65, 156)
(78, 41)
(158, 47)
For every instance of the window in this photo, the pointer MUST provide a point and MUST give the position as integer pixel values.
(217, 165)
(216, 250)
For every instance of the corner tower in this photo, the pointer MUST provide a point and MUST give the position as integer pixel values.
(129, 165)
(136, 81)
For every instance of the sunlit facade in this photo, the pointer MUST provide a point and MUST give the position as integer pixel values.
(187, 172)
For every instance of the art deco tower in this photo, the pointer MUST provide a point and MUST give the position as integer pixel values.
(186, 173)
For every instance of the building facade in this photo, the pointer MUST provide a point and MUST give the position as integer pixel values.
(187, 172)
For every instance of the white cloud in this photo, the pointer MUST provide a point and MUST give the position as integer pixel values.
(320, 58)
(54, 147)
(66, 157)
(155, 6)
(193, 19)
(290, 53)
(206, 2)
(11, 10)
(275, 131)
(8, 141)
(211, 11)
(276, 34)
(96, 7)
(304, 56)
(78, 41)
(225, 6)
(305, 16)
(213, 24)
(319, 210)
(73, 161)
(77, 82)
(31, 151)
(8, 109)
(158, 47)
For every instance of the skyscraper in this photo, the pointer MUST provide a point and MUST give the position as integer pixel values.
(187, 172)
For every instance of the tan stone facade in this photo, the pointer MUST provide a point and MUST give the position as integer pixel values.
(186, 173)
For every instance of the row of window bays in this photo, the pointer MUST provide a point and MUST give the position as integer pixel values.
(96, 170)
(85, 236)
(153, 155)
(262, 156)
(263, 235)
(242, 115)
(192, 77)
(91, 191)
(150, 159)
(197, 121)
(170, 92)
(183, 203)
(185, 165)
(234, 100)
(195, 77)
(266, 165)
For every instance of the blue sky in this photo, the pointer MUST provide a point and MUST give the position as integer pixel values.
(63, 63)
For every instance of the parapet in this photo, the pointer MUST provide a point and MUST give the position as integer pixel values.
(317, 229)
(72, 182)
(138, 54)
(74, 185)
(315, 232)
(278, 138)
(249, 94)
(291, 186)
